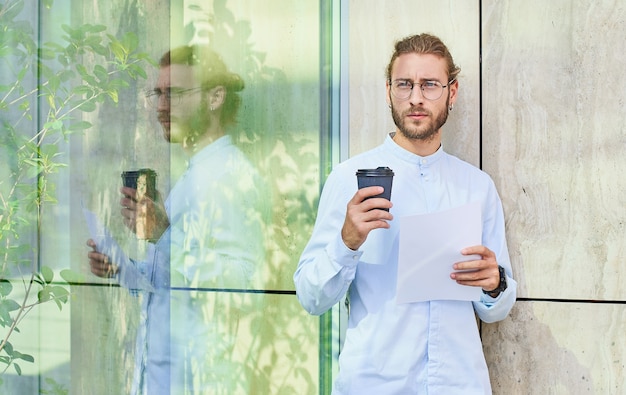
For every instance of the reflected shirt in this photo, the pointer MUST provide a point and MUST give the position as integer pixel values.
(214, 243)
(412, 348)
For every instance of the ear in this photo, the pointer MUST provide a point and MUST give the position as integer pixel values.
(454, 89)
(216, 97)
(388, 95)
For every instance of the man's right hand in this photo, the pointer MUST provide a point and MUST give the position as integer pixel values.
(99, 263)
(151, 213)
(362, 216)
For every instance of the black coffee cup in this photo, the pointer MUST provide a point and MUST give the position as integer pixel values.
(142, 180)
(381, 176)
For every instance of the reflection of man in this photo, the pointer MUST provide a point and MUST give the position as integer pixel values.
(210, 238)
(413, 348)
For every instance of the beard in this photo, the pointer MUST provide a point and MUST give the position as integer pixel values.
(426, 129)
(188, 129)
(196, 126)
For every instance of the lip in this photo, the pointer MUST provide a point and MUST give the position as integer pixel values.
(164, 120)
(417, 115)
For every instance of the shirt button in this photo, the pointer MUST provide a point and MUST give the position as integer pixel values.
(424, 161)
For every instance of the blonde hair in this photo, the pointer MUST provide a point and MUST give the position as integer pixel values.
(423, 44)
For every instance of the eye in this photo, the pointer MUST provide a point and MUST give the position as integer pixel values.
(153, 92)
(403, 84)
(430, 84)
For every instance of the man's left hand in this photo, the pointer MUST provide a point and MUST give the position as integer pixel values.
(480, 272)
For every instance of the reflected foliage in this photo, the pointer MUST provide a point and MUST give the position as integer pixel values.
(44, 90)
(267, 343)
(279, 339)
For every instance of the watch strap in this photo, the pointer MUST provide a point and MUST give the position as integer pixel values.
(501, 285)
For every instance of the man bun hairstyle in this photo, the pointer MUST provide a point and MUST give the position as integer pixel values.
(211, 72)
(423, 44)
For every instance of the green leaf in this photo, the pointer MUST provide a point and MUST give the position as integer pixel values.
(113, 95)
(88, 106)
(44, 295)
(119, 51)
(97, 28)
(14, 11)
(8, 348)
(17, 369)
(61, 293)
(131, 41)
(82, 90)
(71, 276)
(54, 82)
(27, 358)
(9, 305)
(5, 287)
(47, 54)
(77, 126)
(39, 280)
(137, 71)
(55, 125)
(47, 273)
(101, 73)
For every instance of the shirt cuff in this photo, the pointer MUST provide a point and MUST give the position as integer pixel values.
(341, 255)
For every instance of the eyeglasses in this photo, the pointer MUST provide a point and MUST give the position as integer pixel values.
(431, 90)
(173, 96)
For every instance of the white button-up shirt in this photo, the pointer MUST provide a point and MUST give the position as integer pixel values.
(414, 348)
(214, 242)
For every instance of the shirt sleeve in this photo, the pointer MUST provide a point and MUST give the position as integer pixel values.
(135, 275)
(496, 309)
(327, 266)
(491, 309)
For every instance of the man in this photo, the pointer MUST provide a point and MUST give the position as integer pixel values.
(207, 238)
(428, 347)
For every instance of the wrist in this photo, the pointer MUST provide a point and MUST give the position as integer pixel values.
(501, 284)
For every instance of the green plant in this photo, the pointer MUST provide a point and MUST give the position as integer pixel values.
(44, 91)
(275, 329)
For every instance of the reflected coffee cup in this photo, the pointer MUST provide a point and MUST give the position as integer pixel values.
(381, 176)
(144, 182)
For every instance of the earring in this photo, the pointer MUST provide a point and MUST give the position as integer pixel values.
(450, 107)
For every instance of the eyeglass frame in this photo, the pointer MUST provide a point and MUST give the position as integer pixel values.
(421, 85)
(169, 94)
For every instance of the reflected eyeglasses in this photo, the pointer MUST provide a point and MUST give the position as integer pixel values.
(173, 96)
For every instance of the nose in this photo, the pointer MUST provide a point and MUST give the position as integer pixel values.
(416, 96)
(163, 104)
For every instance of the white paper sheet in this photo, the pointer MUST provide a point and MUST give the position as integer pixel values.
(429, 245)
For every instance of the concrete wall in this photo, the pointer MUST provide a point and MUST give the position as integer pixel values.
(544, 115)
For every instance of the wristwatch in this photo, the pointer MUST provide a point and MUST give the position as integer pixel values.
(501, 286)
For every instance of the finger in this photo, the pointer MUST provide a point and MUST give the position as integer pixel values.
(128, 202)
(364, 193)
(376, 203)
(371, 214)
(129, 192)
(487, 278)
(127, 213)
(479, 250)
(471, 265)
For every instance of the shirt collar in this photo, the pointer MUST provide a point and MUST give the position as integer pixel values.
(409, 156)
(210, 150)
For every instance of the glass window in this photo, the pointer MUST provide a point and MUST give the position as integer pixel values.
(187, 141)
